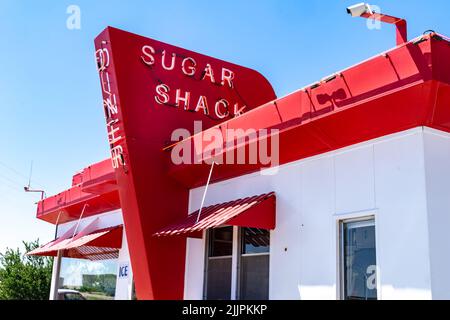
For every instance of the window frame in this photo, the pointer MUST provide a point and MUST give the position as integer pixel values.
(235, 261)
(240, 255)
(207, 258)
(364, 220)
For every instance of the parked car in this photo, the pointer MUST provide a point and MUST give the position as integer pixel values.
(66, 294)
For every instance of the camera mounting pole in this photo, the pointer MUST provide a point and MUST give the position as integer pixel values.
(400, 25)
(364, 10)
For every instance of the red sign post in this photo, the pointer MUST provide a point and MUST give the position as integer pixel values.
(149, 90)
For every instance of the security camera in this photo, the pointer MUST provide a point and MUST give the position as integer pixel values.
(359, 9)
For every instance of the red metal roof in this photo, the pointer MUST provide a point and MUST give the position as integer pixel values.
(403, 88)
(254, 212)
(95, 186)
(101, 244)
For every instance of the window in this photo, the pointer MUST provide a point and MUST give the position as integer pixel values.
(250, 258)
(358, 260)
(254, 264)
(96, 280)
(218, 275)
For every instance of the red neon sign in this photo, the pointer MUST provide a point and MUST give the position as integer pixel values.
(149, 90)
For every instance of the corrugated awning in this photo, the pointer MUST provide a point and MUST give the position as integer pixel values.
(89, 243)
(253, 212)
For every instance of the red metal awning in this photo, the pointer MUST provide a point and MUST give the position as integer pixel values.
(89, 243)
(253, 212)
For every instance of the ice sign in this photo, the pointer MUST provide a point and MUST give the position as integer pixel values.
(124, 270)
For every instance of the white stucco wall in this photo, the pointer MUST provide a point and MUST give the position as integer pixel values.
(383, 177)
(195, 258)
(124, 282)
(437, 160)
(105, 220)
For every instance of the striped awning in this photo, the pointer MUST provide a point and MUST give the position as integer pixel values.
(90, 243)
(252, 212)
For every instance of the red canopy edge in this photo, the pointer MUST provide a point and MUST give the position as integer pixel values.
(88, 244)
(252, 212)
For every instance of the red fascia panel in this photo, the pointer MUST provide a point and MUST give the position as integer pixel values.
(77, 179)
(252, 212)
(401, 89)
(99, 178)
(95, 186)
(68, 205)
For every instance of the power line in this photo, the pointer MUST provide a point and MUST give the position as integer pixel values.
(11, 187)
(20, 174)
(13, 170)
(10, 200)
(11, 181)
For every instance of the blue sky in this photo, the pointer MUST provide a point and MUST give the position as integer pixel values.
(50, 97)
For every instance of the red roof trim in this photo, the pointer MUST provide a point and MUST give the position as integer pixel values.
(395, 91)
